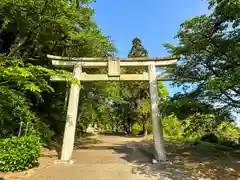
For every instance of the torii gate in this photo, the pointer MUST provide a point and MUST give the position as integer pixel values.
(113, 64)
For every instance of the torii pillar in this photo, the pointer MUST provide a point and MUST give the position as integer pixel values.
(157, 129)
(71, 120)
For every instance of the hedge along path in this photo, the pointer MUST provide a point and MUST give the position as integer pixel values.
(114, 65)
(19, 153)
(46, 159)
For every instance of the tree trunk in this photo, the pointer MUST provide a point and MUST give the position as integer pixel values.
(66, 98)
(144, 129)
(21, 42)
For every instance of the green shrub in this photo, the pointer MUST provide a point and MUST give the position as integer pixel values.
(149, 127)
(19, 153)
(41, 130)
(198, 125)
(204, 128)
(136, 129)
(228, 132)
(172, 127)
(209, 137)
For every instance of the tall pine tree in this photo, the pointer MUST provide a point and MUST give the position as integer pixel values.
(136, 94)
(137, 49)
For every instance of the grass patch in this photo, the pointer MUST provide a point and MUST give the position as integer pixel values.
(214, 146)
(203, 144)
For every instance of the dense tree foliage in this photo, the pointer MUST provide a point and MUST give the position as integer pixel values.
(30, 30)
(209, 51)
(209, 47)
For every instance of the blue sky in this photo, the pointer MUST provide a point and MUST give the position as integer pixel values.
(155, 23)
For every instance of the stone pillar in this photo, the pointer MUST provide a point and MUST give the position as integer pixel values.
(158, 139)
(72, 111)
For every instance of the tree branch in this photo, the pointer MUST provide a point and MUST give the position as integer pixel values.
(23, 40)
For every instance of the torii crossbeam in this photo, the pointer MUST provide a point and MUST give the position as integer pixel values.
(114, 65)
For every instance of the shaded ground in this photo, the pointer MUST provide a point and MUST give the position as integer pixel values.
(186, 161)
(119, 157)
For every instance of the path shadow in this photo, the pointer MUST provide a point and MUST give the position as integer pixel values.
(186, 162)
(120, 134)
(53, 146)
(81, 142)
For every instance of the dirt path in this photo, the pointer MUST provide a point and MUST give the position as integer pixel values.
(109, 157)
(93, 162)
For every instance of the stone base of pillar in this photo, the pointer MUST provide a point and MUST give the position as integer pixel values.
(166, 162)
(64, 162)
